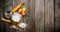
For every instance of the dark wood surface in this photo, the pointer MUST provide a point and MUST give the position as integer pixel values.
(57, 15)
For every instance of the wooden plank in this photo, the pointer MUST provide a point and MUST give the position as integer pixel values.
(2, 24)
(8, 7)
(57, 15)
(31, 19)
(49, 15)
(39, 16)
(15, 2)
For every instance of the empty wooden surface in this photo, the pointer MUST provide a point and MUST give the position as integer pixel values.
(39, 15)
(49, 15)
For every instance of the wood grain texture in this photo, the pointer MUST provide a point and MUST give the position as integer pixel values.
(49, 15)
(39, 15)
(31, 12)
(2, 24)
(8, 7)
(57, 15)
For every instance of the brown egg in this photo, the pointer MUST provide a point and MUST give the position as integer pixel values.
(23, 13)
(20, 11)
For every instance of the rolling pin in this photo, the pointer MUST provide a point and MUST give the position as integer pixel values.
(17, 7)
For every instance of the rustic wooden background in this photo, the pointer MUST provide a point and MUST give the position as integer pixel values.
(44, 15)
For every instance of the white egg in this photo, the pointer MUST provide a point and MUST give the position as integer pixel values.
(22, 25)
(16, 17)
